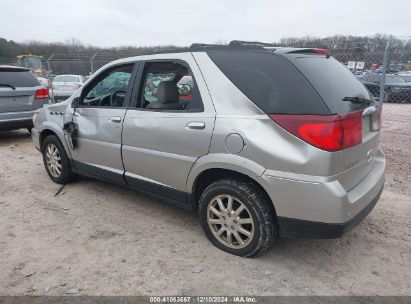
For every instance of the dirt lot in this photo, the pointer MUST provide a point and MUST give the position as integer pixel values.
(100, 239)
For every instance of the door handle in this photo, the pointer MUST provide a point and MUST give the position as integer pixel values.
(197, 125)
(115, 119)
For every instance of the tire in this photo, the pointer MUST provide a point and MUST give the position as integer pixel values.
(66, 175)
(258, 208)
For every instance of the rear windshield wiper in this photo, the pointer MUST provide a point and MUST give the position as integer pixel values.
(7, 85)
(357, 100)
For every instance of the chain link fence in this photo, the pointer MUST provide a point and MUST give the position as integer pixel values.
(386, 75)
(384, 69)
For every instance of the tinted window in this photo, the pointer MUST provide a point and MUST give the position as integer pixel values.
(19, 79)
(66, 78)
(269, 81)
(371, 78)
(333, 81)
(393, 79)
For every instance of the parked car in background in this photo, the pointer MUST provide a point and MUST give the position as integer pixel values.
(265, 142)
(65, 85)
(20, 95)
(396, 89)
(406, 77)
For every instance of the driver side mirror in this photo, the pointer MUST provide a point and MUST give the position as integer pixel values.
(75, 102)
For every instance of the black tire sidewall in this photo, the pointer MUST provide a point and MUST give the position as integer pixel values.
(248, 195)
(66, 174)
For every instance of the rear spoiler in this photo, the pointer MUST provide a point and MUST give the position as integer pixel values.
(310, 51)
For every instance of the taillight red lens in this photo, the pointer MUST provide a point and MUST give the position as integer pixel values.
(322, 51)
(42, 93)
(352, 127)
(330, 133)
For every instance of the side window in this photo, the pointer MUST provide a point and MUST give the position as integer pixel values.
(169, 86)
(110, 88)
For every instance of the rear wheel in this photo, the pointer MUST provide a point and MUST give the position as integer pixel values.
(237, 217)
(55, 160)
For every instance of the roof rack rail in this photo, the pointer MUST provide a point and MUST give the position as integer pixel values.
(200, 46)
(249, 43)
(233, 45)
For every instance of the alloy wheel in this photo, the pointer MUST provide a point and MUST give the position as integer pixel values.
(53, 160)
(230, 221)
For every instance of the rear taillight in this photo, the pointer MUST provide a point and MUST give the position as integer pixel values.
(322, 51)
(329, 133)
(42, 93)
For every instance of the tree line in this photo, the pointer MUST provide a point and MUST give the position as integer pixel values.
(73, 51)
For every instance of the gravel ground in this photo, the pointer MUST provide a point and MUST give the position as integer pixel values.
(101, 239)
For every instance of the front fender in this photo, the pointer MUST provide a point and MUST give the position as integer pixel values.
(55, 128)
(231, 162)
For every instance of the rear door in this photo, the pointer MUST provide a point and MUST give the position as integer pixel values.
(334, 82)
(99, 116)
(161, 144)
(17, 90)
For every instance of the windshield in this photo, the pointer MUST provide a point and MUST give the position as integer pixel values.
(66, 78)
(30, 62)
(393, 79)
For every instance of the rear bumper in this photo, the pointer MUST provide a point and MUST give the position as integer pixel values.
(16, 120)
(293, 228)
(319, 206)
(35, 137)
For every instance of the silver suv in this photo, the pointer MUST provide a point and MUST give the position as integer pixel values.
(260, 141)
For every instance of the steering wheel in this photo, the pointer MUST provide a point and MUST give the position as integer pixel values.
(114, 96)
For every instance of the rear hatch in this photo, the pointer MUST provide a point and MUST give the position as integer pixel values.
(314, 97)
(345, 96)
(17, 89)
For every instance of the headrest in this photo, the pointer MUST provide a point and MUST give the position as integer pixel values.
(167, 92)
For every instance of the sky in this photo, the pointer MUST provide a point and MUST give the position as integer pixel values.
(110, 23)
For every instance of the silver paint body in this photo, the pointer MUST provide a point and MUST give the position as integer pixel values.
(302, 181)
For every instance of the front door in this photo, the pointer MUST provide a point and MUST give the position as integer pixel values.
(99, 116)
(168, 129)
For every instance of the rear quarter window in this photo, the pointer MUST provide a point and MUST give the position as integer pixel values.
(270, 81)
(19, 78)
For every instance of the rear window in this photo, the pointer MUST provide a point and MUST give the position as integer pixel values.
(393, 79)
(407, 78)
(65, 78)
(18, 79)
(371, 78)
(333, 81)
(269, 81)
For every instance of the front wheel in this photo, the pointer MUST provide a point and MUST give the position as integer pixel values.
(55, 160)
(237, 217)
